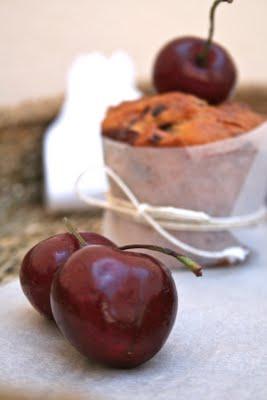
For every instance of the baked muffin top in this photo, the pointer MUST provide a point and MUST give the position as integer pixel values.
(177, 119)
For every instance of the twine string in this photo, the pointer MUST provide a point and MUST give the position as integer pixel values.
(163, 219)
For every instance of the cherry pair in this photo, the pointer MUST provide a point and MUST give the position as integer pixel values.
(113, 305)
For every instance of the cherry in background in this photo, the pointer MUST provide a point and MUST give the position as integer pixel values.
(43, 260)
(196, 66)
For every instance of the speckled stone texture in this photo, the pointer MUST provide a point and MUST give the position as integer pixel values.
(23, 227)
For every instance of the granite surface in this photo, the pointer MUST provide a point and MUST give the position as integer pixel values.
(23, 227)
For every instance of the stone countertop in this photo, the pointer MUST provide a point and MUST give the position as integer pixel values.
(23, 227)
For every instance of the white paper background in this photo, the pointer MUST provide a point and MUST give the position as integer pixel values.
(217, 350)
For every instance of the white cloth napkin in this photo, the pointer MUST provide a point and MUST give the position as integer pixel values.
(73, 143)
(217, 349)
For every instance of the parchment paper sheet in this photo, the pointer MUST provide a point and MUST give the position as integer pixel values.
(216, 351)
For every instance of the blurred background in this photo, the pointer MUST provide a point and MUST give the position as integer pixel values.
(39, 39)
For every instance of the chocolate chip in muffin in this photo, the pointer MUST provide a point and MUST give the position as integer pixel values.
(166, 127)
(144, 112)
(155, 138)
(155, 111)
(124, 135)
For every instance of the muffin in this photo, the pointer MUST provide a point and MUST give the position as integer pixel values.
(176, 120)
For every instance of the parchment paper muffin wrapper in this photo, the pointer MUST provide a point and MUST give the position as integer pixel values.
(224, 178)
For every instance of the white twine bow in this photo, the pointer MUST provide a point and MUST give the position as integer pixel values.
(171, 218)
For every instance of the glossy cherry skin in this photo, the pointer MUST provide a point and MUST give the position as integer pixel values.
(43, 260)
(177, 69)
(115, 307)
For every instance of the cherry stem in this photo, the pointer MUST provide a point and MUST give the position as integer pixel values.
(202, 57)
(188, 262)
(73, 231)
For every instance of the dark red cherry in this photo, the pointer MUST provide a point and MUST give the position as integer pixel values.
(196, 66)
(115, 307)
(177, 69)
(43, 260)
